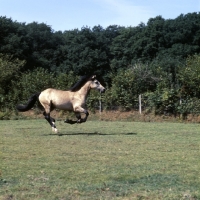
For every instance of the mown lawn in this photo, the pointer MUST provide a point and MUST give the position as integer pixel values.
(99, 160)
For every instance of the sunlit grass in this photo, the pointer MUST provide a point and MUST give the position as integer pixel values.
(99, 160)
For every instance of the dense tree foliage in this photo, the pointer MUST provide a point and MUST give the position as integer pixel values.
(159, 59)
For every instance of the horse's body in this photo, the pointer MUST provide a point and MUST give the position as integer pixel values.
(71, 100)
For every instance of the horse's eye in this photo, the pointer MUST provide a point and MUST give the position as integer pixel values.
(96, 82)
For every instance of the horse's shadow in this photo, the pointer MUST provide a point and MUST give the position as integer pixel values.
(88, 134)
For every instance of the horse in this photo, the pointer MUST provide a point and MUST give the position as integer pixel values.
(71, 100)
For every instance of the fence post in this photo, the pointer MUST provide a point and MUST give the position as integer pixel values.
(140, 104)
(100, 106)
(180, 102)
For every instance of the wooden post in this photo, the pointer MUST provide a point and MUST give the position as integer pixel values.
(180, 102)
(100, 106)
(140, 104)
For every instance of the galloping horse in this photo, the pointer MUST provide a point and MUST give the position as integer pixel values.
(71, 100)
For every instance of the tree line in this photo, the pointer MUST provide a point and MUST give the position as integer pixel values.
(159, 60)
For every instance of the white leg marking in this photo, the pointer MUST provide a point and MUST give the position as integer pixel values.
(54, 129)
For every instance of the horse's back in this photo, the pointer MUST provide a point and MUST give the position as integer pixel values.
(57, 98)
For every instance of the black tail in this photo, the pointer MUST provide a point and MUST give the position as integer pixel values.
(30, 103)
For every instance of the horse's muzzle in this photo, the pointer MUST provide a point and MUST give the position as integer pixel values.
(102, 90)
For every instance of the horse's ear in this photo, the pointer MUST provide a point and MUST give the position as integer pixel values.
(93, 77)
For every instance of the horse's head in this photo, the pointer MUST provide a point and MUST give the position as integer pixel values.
(95, 84)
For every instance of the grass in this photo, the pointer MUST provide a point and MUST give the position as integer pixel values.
(99, 160)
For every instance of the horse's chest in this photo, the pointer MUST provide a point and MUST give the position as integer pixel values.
(78, 101)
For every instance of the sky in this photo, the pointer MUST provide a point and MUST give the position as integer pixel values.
(64, 15)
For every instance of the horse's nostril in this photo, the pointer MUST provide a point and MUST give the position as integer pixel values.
(103, 90)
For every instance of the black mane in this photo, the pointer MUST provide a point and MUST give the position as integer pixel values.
(80, 83)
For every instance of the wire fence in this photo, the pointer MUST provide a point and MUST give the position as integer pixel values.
(142, 104)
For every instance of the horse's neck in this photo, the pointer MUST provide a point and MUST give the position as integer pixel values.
(84, 91)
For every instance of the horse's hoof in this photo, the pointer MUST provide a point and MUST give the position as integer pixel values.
(55, 130)
(66, 121)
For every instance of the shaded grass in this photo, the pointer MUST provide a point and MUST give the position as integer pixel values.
(99, 160)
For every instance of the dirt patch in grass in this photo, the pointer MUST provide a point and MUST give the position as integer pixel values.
(110, 116)
(114, 115)
(144, 117)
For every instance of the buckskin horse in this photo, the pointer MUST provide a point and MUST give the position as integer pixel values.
(71, 100)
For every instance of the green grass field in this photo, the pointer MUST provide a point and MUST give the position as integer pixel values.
(99, 160)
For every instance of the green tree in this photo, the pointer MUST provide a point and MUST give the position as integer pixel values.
(189, 77)
(9, 70)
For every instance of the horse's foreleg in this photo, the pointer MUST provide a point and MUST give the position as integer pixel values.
(78, 116)
(86, 116)
(79, 110)
(51, 121)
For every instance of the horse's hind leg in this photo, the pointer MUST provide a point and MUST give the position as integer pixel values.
(51, 121)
